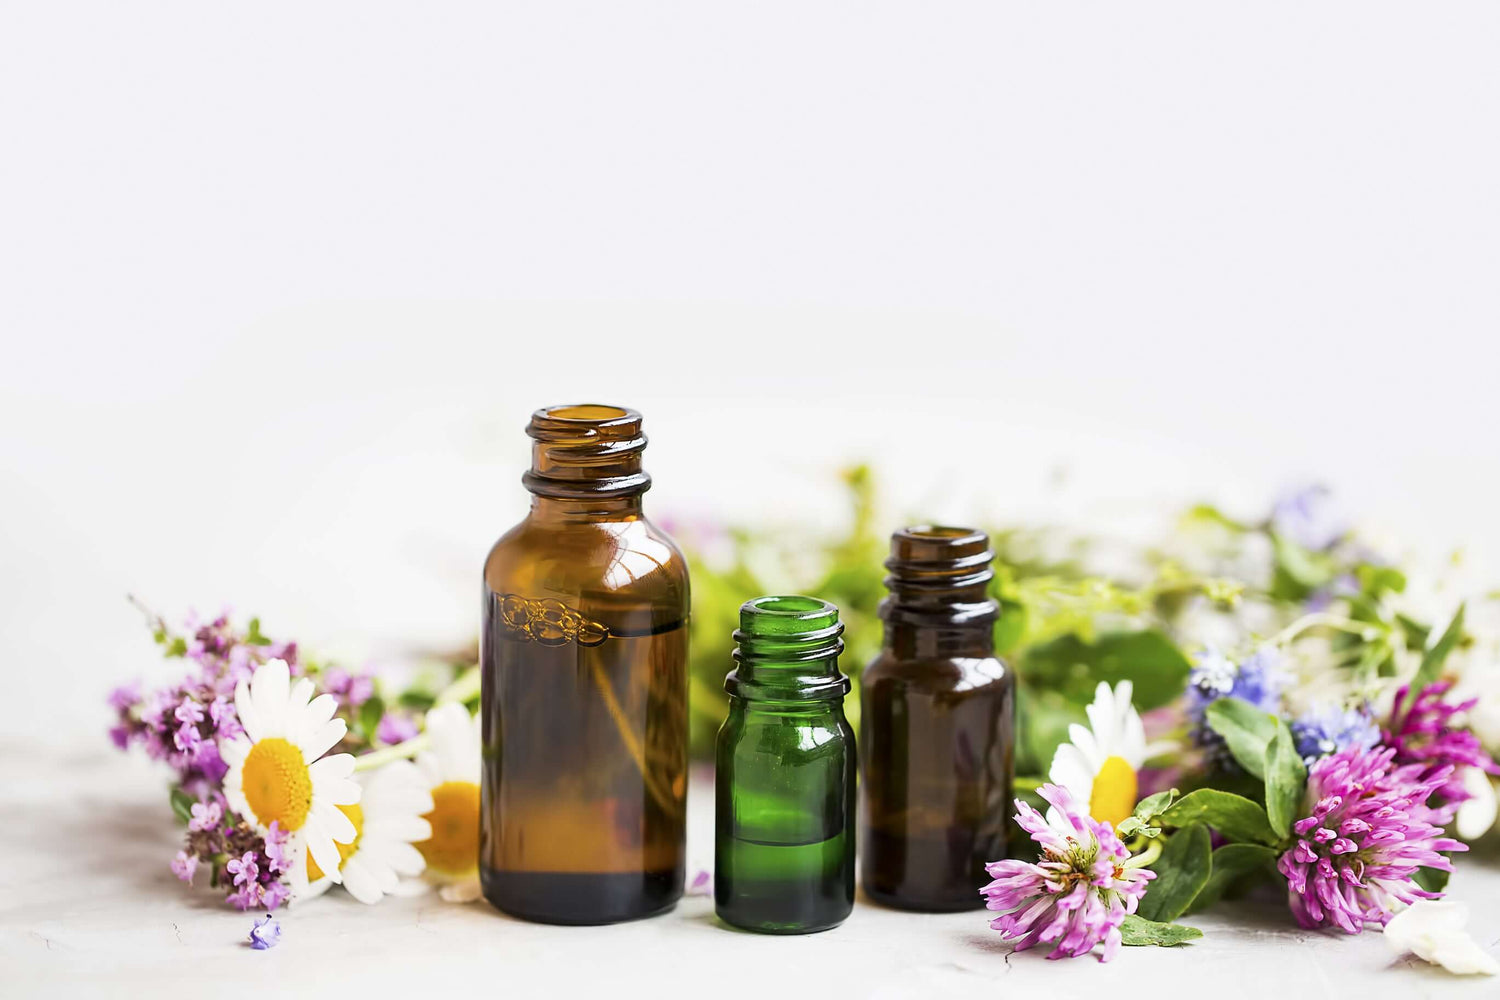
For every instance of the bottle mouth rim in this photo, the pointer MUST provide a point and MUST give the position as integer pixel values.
(587, 414)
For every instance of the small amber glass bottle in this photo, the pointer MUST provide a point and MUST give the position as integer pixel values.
(584, 668)
(785, 773)
(937, 723)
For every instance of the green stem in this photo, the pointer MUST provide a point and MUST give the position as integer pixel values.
(383, 756)
(464, 687)
(1150, 854)
(1029, 784)
(1322, 619)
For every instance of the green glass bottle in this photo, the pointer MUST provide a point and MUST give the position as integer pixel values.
(937, 727)
(785, 773)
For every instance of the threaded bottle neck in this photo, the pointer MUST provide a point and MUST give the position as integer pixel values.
(939, 577)
(788, 650)
(587, 451)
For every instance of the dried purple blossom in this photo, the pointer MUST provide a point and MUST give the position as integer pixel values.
(1422, 733)
(1366, 835)
(1078, 892)
(265, 933)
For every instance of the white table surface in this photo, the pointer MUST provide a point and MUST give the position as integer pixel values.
(88, 906)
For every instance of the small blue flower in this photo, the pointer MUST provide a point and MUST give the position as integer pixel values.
(1257, 679)
(266, 933)
(1328, 728)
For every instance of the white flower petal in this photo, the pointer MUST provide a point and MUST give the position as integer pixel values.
(361, 882)
(1477, 814)
(316, 743)
(320, 845)
(411, 828)
(335, 823)
(403, 858)
(244, 708)
(1434, 931)
(466, 891)
(332, 768)
(269, 688)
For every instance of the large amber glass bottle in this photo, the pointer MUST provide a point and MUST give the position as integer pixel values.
(584, 662)
(937, 724)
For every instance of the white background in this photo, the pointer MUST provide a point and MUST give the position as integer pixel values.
(281, 282)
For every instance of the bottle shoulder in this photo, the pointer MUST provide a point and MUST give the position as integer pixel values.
(628, 559)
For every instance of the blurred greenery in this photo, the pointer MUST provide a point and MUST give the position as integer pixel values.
(1062, 628)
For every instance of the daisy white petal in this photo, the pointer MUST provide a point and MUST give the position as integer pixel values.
(323, 739)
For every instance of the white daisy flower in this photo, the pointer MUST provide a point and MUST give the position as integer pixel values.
(275, 771)
(450, 766)
(1100, 764)
(387, 821)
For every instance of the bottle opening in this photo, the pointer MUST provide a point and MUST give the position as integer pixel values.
(592, 413)
(788, 615)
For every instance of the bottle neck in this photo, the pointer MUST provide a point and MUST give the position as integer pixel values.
(938, 584)
(906, 641)
(564, 511)
(787, 652)
(589, 453)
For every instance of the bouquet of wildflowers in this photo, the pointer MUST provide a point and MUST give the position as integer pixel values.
(1270, 704)
(291, 776)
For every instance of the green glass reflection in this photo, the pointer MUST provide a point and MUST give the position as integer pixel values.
(786, 765)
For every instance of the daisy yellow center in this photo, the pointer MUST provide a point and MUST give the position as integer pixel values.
(276, 784)
(357, 817)
(1113, 798)
(454, 847)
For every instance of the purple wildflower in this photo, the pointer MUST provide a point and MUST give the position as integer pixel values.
(1258, 680)
(396, 727)
(266, 933)
(184, 866)
(350, 688)
(244, 869)
(1309, 517)
(1078, 892)
(1366, 836)
(1329, 728)
(205, 815)
(1421, 733)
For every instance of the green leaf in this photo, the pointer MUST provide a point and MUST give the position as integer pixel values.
(1433, 660)
(1431, 879)
(1156, 668)
(1231, 863)
(1147, 810)
(370, 714)
(253, 636)
(1181, 873)
(177, 647)
(416, 700)
(1286, 780)
(1234, 816)
(1299, 571)
(1137, 932)
(182, 805)
(1246, 730)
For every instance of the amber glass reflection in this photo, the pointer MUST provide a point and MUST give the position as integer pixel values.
(584, 660)
(936, 728)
